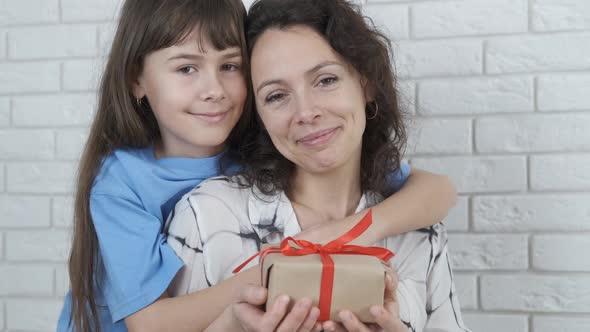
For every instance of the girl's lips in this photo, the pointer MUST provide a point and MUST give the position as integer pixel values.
(211, 117)
(318, 138)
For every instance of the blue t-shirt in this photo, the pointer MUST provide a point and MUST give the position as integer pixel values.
(131, 198)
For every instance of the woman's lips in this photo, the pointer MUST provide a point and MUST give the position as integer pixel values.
(318, 138)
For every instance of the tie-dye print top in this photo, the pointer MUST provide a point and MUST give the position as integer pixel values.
(218, 225)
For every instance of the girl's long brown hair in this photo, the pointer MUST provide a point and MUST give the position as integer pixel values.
(144, 26)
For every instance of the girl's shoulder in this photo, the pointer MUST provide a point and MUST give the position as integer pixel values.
(120, 168)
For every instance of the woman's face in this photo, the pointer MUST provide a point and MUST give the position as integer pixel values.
(312, 102)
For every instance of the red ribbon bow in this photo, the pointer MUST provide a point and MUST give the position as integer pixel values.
(338, 246)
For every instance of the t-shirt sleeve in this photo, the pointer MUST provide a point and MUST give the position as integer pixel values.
(138, 263)
(398, 178)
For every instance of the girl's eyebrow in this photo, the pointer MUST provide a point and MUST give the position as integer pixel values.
(189, 56)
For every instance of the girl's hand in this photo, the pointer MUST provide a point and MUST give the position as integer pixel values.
(247, 314)
(386, 316)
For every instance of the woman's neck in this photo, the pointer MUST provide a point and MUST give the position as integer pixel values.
(324, 197)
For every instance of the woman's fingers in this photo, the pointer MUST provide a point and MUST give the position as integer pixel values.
(272, 318)
(384, 318)
(351, 322)
(310, 323)
(255, 295)
(296, 317)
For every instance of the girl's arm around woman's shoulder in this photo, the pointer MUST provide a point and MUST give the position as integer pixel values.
(423, 200)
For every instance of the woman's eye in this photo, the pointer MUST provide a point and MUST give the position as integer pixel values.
(187, 69)
(274, 97)
(230, 67)
(328, 80)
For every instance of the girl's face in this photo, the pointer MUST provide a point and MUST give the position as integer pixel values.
(197, 95)
(311, 102)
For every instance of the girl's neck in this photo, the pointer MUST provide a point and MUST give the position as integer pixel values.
(164, 150)
(324, 197)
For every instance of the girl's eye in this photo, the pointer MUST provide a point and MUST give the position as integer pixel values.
(328, 81)
(187, 69)
(274, 97)
(230, 67)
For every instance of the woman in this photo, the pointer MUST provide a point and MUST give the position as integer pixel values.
(331, 130)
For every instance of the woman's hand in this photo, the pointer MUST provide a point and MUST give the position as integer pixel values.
(386, 316)
(246, 314)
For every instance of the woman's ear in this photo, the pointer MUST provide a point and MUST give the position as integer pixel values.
(369, 90)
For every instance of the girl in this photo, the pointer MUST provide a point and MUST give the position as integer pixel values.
(169, 116)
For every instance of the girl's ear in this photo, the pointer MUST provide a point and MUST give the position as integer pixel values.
(138, 89)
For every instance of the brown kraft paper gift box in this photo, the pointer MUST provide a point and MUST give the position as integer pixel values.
(359, 281)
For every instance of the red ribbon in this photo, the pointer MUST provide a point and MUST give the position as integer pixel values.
(338, 246)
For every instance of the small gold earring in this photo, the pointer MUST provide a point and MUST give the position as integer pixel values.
(376, 111)
(138, 101)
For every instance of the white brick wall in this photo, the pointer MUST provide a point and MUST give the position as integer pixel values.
(499, 90)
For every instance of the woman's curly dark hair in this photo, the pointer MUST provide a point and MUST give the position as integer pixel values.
(364, 47)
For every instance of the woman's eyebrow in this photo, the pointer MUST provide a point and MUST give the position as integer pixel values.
(308, 72)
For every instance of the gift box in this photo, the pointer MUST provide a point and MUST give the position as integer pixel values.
(336, 276)
(358, 284)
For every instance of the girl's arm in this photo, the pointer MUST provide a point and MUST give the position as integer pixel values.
(424, 200)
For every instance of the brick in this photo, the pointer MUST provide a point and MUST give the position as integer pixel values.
(538, 53)
(2, 45)
(466, 287)
(391, 19)
(481, 322)
(29, 77)
(560, 324)
(438, 58)
(62, 280)
(531, 213)
(2, 177)
(52, 42)
(54, 110)
(407, 96)
(63, 211)
(458, 218)
(27, 12)
(51, 245)
(560, 172)
(463, 18)
(24, 211)
(81, 75)
(89, 10)
(42, 177)
(476, 96)
(106, 33)
(479, 174)
(563, 92)
(4, 112)
(32, 314)
(70, 143)
(544, 293)
(26, 144)
(440, 136)
(26, 280)
(488, 252)
(555, 15)
(533, 133)
(560, 252)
